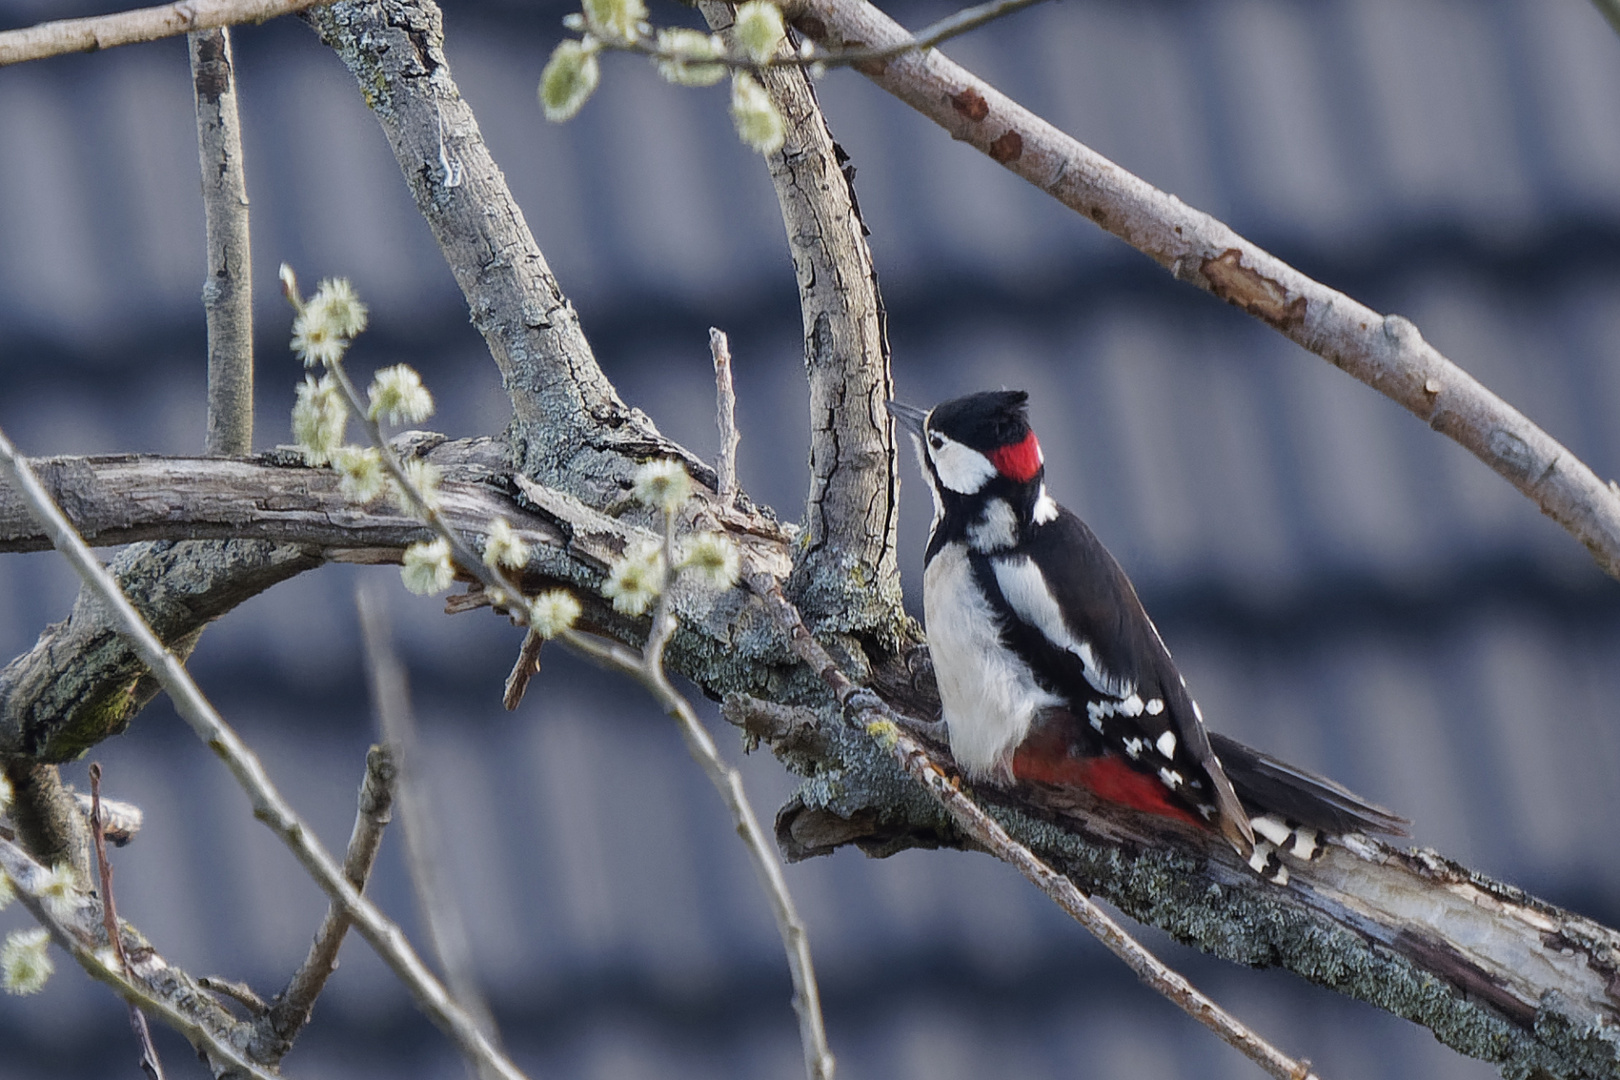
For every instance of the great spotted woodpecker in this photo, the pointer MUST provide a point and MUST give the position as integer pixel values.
(1050, 671)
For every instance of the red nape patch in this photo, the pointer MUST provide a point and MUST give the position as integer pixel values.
(1019, 462)
(1109, 778)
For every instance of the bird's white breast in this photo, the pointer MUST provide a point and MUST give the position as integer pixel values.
(989, 695)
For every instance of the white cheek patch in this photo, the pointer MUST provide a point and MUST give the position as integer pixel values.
(961, 468)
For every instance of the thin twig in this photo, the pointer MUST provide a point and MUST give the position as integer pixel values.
(142, 24)
(228, 288)
(935, 33)
(1384, 351)
(647, 668)
(879, 721)
(150, 1064)
(396, 723)
(291, 1009)
(818, 1059)
(525, 668)
(77, 932)
(239, 992)
(268, 804)
(725, 465)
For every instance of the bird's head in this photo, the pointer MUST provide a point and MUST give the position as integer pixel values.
(969, 445)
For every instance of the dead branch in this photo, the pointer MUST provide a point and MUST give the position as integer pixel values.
(1384, 351)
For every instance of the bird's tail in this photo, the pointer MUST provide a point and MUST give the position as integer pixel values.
(1267, 786)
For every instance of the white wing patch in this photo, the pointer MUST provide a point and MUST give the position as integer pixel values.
(990, 697)
(1026, 592)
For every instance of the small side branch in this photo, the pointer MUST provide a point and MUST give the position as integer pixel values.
(228, 289)
(847, 574)
(143, 24)
(279, 1025)
(150, 1065)
(725, 466)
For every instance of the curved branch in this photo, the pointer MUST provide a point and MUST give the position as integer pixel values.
(848, 576)
(1384, 351)
(565, 410)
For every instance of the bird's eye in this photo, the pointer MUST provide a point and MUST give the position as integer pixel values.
(936, 441)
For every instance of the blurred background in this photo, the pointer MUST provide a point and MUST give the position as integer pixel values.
(1343, 587)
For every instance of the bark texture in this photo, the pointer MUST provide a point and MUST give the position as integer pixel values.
(847, 576)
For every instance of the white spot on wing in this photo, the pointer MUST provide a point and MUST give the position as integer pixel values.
(1171, 778)
(1167, 744)
(1155, 707)
(1196, 710)
(1305, 843)
(990, 697)
(1272, 828)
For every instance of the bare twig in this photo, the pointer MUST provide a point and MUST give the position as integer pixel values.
(647, 668)
(873, 715)
(525, 668)
(239, 992)
(153, 985)
(228, 289)
(1384, 351)
(935, 33)
(286, 1016)
(396, 722)
(725, 464)
(268, 804)
(150, 1064)
(818, 1059)
(142, 24)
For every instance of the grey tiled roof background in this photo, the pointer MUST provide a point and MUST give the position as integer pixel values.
(1343, 587)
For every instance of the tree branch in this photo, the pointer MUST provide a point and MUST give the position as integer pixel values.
(1384, 351)
(268, 804)
(152, 983)
(228, 289)
(277, 1028)
(566, 413)
(142, 24)
(847, 577)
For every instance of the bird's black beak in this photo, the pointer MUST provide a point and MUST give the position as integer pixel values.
(911, 418)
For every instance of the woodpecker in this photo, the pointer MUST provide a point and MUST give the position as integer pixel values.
(1050, 671)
